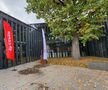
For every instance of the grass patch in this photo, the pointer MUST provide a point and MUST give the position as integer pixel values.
(83, 62)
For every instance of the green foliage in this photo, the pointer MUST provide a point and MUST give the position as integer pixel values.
(68, 17)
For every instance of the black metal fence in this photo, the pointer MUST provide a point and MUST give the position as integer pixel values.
(27, 41)
(98, 47)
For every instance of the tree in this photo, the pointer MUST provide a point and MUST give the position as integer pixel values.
(76, 20)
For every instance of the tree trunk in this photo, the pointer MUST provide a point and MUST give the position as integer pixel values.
(75, 47)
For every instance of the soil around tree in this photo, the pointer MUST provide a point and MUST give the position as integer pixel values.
(35, 69)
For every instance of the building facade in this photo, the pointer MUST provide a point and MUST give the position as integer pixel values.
(27, 42)
(62, 48)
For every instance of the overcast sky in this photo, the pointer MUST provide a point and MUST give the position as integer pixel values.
(16, 9)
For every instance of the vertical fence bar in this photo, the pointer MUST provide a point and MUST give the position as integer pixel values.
(1, 40)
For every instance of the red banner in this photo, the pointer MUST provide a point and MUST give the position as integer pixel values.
(9, 41)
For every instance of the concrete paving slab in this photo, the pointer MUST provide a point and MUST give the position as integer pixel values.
(98, 65)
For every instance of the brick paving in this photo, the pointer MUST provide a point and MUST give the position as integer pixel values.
(54, 77)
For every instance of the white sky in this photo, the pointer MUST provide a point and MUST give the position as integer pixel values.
(16, 8)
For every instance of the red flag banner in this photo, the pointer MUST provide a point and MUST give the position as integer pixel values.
(9, 41)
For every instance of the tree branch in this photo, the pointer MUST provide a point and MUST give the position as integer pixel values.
(60, 2)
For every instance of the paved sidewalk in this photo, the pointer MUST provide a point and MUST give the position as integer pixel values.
(53, 77)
